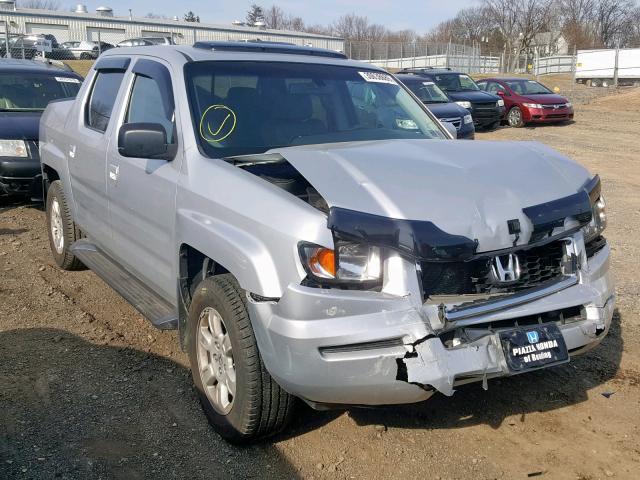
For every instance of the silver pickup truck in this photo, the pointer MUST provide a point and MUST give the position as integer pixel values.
(314, 232)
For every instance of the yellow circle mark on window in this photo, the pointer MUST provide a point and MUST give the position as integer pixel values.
(217, 123)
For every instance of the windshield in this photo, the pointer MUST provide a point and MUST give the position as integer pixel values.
(32, 92)
(427, 91)
(242, 108)
(527, 87)
(455, 82)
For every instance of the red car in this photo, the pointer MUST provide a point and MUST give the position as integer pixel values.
(528, 101)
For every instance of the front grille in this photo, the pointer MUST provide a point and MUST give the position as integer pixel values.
(456, 121)
(555, 106)
(486, 112)
(537, 265)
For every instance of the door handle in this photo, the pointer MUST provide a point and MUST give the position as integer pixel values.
(114, 170)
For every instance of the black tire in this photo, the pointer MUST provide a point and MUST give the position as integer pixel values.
(70, 232)
(492, 126)
(514, 118)
(260, 406)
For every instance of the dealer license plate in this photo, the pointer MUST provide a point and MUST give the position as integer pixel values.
(528, 348)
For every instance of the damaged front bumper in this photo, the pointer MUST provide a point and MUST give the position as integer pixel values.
(375, 348)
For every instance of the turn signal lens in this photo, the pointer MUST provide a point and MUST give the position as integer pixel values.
(322, 262)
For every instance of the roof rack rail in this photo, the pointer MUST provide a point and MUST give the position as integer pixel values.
(267, 47)
(422, 69)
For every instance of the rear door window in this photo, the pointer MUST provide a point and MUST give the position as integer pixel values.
(102, 99)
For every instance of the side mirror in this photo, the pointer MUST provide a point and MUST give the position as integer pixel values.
(144, 140)
(451, 128)
(502, 93)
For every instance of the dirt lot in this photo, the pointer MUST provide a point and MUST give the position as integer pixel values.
(88, 389)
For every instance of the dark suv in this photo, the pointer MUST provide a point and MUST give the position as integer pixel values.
(486, 109)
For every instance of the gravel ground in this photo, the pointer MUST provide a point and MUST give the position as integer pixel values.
(89, 389)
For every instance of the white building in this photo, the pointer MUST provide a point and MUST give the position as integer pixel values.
(82, 25)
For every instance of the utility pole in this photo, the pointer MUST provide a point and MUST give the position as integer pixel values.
(615, 67)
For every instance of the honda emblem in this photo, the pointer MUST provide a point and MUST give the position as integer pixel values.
(506, 268)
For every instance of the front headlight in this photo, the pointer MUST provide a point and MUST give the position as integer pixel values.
(568, 105)
(464, 104)
(532, 105)
(13, 148)
(467, 119)
(501, 103)
(349, 262)
(598, 221)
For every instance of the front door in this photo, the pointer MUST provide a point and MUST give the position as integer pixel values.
(142, 191)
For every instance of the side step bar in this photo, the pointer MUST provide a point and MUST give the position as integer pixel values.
(161, 313)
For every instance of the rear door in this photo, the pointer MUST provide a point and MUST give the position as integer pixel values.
(142, 191)
(88, 149)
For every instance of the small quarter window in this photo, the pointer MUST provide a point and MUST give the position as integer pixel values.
(102, 99)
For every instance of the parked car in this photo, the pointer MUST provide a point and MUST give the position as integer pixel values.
(70, 44)
(89, 50)
(528, 101)
(36, 37)
(312, 231)
(146, 41)
(19, 47)
(486, 109)
(441, 105)
(26, 87)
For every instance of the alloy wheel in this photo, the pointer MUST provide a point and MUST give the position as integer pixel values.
(57, 232)
(215, 361)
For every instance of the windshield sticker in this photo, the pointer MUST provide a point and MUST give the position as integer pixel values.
(377, 77)
(217, 123)
(67, 80)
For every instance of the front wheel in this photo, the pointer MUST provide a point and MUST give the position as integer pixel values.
(62, 230)
(240, 399)
(514, 118)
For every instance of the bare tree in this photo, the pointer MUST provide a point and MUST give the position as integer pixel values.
(276, 18)
(357, 28)
(633, 28)
(519, 21)
(611, 17)
(40, 4)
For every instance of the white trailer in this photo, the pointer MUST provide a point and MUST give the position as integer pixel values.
(598, 67)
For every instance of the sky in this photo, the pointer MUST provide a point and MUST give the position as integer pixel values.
(419, 15)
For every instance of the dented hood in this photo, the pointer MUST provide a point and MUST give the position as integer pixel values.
(465, 188)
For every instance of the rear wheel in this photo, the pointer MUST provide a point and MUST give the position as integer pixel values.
(62, 230)
(514, 117)
(240, 399)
